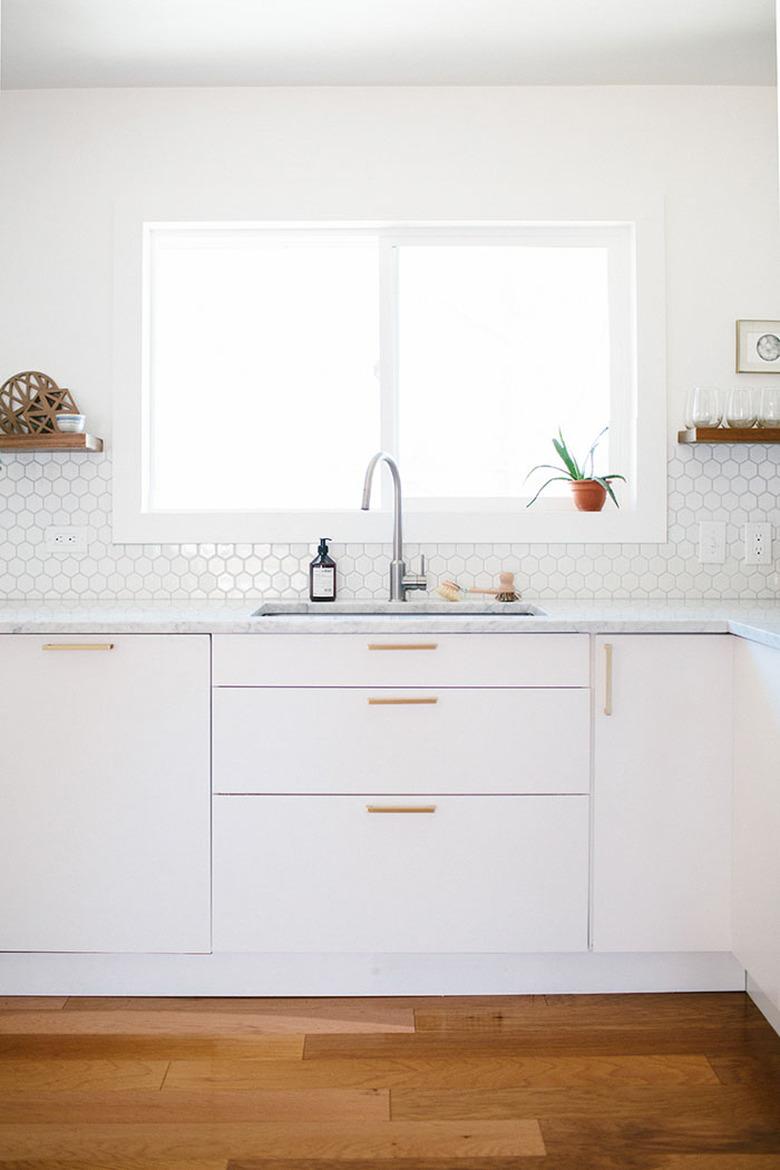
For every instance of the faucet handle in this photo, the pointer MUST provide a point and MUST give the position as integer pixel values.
(416, 580)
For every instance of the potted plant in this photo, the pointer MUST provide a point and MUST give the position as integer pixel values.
(588, 490)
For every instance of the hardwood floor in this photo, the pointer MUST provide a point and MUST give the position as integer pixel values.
(637, 1082)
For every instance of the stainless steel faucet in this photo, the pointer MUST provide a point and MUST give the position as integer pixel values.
(400, 580)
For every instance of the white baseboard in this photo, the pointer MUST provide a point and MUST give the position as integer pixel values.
(334, 975)
(764, 1004)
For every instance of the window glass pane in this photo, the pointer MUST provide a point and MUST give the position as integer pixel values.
(499, 345)
(262, 369)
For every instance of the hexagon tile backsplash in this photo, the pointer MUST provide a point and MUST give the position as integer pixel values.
(732, 483)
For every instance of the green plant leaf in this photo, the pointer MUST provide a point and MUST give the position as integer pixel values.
(552, 479)
(545, 466)
(613, 476)
(566, 456)
(607, 487)
(593, 447)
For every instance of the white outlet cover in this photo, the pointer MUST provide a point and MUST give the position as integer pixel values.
(758, 544)
(66, 540)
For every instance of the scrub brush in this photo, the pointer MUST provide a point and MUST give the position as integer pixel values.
(506, 590)
(449, 590)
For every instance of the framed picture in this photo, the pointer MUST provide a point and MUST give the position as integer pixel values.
(758, 347)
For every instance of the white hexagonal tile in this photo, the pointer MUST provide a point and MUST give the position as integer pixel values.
(724, 483)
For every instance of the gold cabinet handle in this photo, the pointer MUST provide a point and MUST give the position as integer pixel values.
(426, 702)
(608, 648)
(403, 645)
(401, 808)
(77, 646)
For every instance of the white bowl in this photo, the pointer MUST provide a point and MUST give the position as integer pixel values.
(72, 424)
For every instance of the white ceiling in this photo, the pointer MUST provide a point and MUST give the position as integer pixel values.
(63, 43)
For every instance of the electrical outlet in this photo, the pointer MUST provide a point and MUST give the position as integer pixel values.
(66, 540)
(758, 544)
(712, 542)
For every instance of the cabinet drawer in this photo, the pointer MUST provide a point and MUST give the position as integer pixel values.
(323, 874)
(353, 739)
(411, 660)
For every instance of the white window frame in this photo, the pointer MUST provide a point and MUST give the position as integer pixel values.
(638, 406)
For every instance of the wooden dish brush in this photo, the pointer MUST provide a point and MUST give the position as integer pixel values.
(506, 588)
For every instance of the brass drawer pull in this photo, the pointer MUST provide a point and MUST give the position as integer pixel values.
(608, 648)
(429, 702)
(403, 645)
(401, 808)
(77, 646)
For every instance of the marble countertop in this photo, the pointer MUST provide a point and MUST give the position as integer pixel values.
(758, 621)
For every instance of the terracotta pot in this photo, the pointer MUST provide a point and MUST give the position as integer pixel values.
(589, 496)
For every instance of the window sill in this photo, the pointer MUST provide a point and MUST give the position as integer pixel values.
(541, 526)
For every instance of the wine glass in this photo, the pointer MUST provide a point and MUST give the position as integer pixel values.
(706, 410)
(741, 408)
(769, 411)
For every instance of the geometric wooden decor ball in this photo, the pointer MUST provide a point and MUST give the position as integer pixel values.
(30, 403)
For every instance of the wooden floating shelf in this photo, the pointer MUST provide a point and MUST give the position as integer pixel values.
(730, 435)
(57, 442)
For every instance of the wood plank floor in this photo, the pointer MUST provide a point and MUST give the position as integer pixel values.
(636, 1082)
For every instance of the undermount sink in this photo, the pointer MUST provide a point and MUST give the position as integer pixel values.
(403, 609)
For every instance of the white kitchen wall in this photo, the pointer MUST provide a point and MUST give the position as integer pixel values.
(68, 156)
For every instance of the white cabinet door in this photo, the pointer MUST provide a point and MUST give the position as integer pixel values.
(323, 874)
(104, 793)
(349, 739)
(663, 793)
(757, 815)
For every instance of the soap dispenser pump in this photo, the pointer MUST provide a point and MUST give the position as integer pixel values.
(322, 574)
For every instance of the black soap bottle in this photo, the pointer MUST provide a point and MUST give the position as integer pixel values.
(322, 574)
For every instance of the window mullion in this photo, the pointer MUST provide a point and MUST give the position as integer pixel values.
(388, 349)
(622, 407)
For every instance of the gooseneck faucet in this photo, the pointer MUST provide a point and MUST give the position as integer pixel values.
(400, 580)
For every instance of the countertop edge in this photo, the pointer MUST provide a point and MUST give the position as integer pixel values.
(756, 621)
(759, 628)
(753, 633)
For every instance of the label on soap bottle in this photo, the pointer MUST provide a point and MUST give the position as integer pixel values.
(323, 582)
